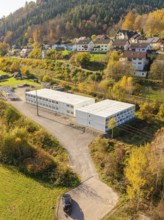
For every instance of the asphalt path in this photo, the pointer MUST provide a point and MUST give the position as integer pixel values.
(92, 199)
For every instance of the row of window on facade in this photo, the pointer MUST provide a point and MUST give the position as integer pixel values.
(46, 100)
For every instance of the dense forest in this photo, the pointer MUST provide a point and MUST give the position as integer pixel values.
(49, 20)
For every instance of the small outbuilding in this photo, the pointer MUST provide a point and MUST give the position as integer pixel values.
(97, 115)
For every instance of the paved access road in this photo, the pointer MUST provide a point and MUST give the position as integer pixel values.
(92, 199)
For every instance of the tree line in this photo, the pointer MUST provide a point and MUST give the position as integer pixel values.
(48, 21)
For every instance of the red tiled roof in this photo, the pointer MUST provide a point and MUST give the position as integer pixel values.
(133, 54)
(139, 45)
(119, 42)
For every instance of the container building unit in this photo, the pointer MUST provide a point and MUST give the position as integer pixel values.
(97, 115)
(61, 102)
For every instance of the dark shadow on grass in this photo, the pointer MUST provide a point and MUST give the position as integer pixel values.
(136, 132)
(46, 184)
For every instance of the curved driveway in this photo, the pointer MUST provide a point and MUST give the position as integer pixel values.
(92, 199)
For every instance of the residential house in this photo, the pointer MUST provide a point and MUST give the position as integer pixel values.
(125, 34)
(71, 47)
(135, 38)
(120, 45)
(24, 52)
(59, 46)
(140, 47)
(101, 46)
(139, 61)
(162, 45)
(154, 43)
(44, 54)
(85, 45)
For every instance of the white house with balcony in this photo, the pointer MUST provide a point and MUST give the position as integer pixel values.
(120, 45)
(139, 61)
(125, 34)
(101, 46)
(85, 46)
(140, 47)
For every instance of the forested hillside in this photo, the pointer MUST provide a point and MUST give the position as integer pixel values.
(49, 20)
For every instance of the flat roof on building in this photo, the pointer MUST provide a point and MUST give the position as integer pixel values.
(106, 108)
(60, 96)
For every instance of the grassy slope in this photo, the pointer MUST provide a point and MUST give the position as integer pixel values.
(24, 198)
(14, 82)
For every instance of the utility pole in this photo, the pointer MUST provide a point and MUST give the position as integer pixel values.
(37, 107)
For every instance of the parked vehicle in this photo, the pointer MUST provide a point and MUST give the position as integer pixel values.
(67, 203)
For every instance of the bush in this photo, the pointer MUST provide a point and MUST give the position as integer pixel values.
(11, 115)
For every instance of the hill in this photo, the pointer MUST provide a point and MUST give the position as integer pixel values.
(49, 20)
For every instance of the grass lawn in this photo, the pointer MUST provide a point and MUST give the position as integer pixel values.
(24, 198)
(14, 82)
(99, 57)
(157, 95)
(3, 73)
(121, 213)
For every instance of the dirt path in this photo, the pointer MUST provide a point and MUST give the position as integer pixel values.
(92, 199)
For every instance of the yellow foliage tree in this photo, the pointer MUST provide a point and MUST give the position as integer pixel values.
(112, 124)
(129, 21)
(137, 175)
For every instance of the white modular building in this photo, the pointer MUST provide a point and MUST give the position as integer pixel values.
(61, 102)
(97, 115)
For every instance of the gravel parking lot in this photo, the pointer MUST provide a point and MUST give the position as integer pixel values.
(92, 199)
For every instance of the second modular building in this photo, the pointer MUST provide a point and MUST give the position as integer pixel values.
(97, 115)
(61, 102)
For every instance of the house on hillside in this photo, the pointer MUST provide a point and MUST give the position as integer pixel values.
(162, 45)
(85, 45)
(135, 39)
(120, 45)
(24, 52)
(154, 42)
(140, 47)
(59, 46)
(71, 47)
(139, 60)
(101, 46)
(125, 34)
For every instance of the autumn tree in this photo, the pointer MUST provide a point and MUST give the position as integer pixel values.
(51, 54)
(137, 174)
(161, 112)
(15, 67)
(81, 59)
(46, 78)
(11, 115)
(155, 23)
(157, 68)
(129, 21)
(8, 38)
(105, 84)
(112, 66)
(36, 53)
(4, 47)
(145, 112)
(112, 124)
